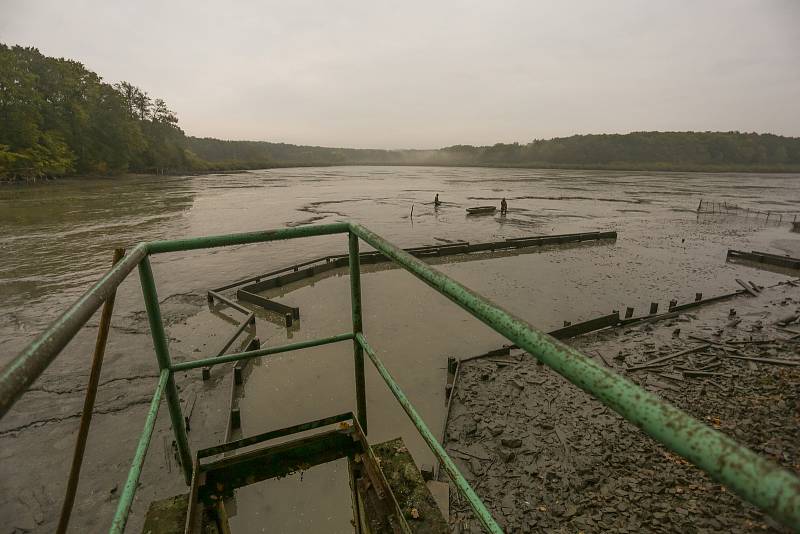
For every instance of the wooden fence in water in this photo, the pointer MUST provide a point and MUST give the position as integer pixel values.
(728, 208)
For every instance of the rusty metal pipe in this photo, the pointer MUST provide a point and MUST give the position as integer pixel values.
(88, 404)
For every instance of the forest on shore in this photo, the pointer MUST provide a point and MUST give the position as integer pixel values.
(58, 118)
(664, 151)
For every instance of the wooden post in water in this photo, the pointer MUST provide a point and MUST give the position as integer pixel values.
(88, 404)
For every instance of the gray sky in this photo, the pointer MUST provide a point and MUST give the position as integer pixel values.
(429, 74)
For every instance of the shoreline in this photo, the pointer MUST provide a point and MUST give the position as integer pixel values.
(565, 167)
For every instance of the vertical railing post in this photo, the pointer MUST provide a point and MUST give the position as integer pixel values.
(358, 351)
(162, 354)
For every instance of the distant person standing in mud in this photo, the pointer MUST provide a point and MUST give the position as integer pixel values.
(436, 200)
(503, 207)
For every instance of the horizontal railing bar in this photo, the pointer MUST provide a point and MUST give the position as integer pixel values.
(194, 243)
(754, 478)
(129, 490)
(194, 364)
(25, 368)
(273, 434)
(484, 516)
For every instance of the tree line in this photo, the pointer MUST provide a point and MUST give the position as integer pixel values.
(665, 150)
(58, 118)
(710, 151)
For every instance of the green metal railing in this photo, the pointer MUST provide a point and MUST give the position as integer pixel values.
(752, 477)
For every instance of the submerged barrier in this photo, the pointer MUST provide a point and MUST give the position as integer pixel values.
(765, 258)
(570, 330)
(249, 288)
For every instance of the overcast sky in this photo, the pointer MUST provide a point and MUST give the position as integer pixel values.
(408, 74)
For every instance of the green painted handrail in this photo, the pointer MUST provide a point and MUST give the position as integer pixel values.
(227, 240)
(754, 478)
(129, 490)
(267, 351)
(463, 487)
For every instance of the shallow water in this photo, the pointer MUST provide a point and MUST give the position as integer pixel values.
(56, 239)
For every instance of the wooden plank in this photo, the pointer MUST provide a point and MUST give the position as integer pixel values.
(288, 312)
(566, 332)
(773, 361)
(696, 303)
(260, 464)
(250, 320)
(256, 287)
(667, 358)
(586, 326)
(765, 257)
(746, 287)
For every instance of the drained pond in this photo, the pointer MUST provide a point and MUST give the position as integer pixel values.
(56, 239)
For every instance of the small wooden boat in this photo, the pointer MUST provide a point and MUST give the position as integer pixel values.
(481, 210)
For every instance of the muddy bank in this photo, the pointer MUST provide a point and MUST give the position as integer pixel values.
(547, 457)
(37, 437)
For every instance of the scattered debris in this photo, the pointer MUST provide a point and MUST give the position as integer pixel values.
(664, 359)
(551, 458)
(747, 288)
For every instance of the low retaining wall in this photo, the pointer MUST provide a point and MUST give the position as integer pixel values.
(764, 257)
(250, 287)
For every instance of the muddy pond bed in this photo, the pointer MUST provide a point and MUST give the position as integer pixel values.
(58, 238)
(548, 457)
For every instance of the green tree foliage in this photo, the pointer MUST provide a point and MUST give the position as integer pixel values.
(712, 151)
(221, 154)
(59, 118)
(652, 149)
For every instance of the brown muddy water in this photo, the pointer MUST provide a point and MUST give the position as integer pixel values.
(56, 239)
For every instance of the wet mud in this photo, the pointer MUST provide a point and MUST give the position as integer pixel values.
(547, 457)
(58, 239)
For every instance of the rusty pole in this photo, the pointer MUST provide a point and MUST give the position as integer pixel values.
(88, 404)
